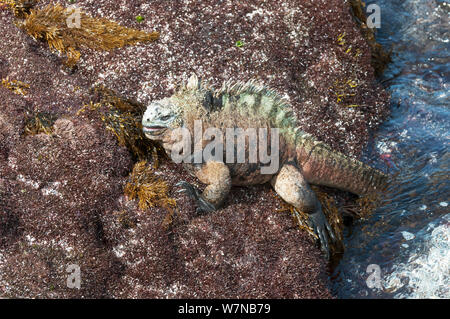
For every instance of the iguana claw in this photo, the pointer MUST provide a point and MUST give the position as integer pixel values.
(194, 193)
(323, 230)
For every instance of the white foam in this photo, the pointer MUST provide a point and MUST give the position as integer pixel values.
(426, 274)
(408, 235)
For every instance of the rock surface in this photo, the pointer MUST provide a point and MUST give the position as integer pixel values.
(61, 195)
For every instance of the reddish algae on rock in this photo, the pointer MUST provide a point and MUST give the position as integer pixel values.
(61, 194)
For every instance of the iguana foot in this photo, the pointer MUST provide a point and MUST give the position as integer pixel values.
(203, 206)
(291, 185)
(323, 230)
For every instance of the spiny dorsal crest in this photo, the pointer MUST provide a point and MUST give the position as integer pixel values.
(252, 95)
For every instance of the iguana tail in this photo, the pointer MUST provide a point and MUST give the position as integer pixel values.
(323, 166)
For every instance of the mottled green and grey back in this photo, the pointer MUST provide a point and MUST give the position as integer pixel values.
(250, 97)
(319, 163)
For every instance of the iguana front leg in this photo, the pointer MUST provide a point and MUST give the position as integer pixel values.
(290, 184)
(217, 176)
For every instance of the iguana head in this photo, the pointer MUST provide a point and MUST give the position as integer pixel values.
(163, 116)
(160, 118)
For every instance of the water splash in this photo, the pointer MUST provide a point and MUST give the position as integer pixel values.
(408, 237)
(426, 274)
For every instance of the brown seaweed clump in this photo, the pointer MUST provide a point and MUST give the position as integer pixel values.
(39, 122)
(332, 213)
(363, 207)
(69, 29)
(15, 86)
(300, 218)
(149, 189)
(20, 8)
(123, 117)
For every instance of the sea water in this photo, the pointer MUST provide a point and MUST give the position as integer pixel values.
(403, 249)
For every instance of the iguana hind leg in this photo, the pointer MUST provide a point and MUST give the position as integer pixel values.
(217, 176)
(290, 184)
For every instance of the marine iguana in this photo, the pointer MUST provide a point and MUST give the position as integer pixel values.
(303, 159)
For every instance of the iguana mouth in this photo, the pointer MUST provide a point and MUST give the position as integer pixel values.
(153, 130)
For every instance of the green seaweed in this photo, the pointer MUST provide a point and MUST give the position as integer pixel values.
(139, 18)
(239, 44)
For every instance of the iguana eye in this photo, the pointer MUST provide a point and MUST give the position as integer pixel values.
(165, 118)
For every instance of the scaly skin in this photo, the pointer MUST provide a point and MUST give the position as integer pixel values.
(323, 166)
(302, 159)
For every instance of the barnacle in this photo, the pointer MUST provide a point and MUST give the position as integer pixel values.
(150, 190)
(54, 24)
